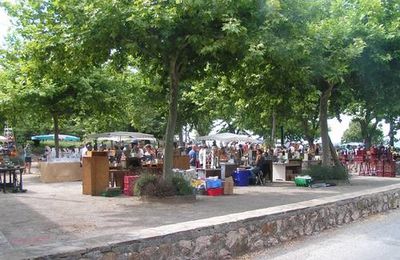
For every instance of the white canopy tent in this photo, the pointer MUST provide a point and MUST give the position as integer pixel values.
(122, 136)
(228, 137)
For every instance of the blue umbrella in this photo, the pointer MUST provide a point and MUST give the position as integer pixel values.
(60, 137)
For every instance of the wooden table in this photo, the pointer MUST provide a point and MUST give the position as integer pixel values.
(209, 172)
(153, 168)
(14, 182)
(117, 176)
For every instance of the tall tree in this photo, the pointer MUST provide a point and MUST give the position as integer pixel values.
(354, 133)
(44, 73)
(177, 40)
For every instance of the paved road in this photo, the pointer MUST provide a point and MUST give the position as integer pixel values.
(375, 238)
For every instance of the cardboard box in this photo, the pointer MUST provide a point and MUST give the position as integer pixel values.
(228, 186)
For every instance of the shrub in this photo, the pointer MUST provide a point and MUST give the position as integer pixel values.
(145, 185)
(323, 173)
(181, 185)
(151, 185)
(164, 188)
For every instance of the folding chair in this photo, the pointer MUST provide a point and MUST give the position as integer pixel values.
(260, 178)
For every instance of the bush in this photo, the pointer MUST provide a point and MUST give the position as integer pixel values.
(164, 188)
(323, 173)
(181, 185)
(152, 186)
(145, 185)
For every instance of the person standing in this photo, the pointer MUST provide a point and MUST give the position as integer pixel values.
(28, 158)
(193, 157)
(47, 152)
(203, 156)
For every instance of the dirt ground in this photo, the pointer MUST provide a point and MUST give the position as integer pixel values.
(58, 212)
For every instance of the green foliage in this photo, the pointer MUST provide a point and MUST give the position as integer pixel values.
(152, 186)
(145, 185)
(323, 173)
(163, 188)
(110, 65)
(181, 185)
(354, 134)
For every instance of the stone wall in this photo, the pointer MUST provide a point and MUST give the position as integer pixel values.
(232, 235)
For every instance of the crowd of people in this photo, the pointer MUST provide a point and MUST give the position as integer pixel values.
(120, 152)
(209, 156)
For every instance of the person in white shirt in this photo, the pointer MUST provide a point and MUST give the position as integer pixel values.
(136, 151)
(203, 156)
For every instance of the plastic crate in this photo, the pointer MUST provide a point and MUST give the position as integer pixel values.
(129, 183)
(212, 183)
(215, 192)
(302, 181)
(241, 177)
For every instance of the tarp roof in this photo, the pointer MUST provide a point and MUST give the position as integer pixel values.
(122, 136)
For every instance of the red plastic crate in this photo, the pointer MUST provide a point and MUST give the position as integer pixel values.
(215, 192)
(129, 183)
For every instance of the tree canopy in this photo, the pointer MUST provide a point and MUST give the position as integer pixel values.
(162, 66)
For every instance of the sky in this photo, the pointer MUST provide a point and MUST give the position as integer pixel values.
(4, 25)
(337, 128)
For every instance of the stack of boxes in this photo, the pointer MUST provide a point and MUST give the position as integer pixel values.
(214, 186)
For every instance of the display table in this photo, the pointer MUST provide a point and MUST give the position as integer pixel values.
(181, 162)
(278, 172)
(286, 171)
(117, 176)
(307, 163)
(227, 169)
(153, 168)
(14, 176)
(208, 173)
(60, 171)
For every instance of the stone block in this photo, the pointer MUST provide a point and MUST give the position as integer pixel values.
(109, 256)
(202, 243)
(269, 228)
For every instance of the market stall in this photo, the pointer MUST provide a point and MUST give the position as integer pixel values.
(228, 137)
(286, 171)
(62, 170)
(122, 137)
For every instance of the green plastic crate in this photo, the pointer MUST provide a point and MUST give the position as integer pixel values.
(303, 181)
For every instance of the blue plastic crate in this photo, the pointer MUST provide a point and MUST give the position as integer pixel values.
(213, 183)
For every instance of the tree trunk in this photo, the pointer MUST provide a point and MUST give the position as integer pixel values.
(56, 132)
(273, 131)
(391, 132)
(181, 137)
(172, 117)
(368, 141)
(310, 141)
(323, 122)
(334, 155)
